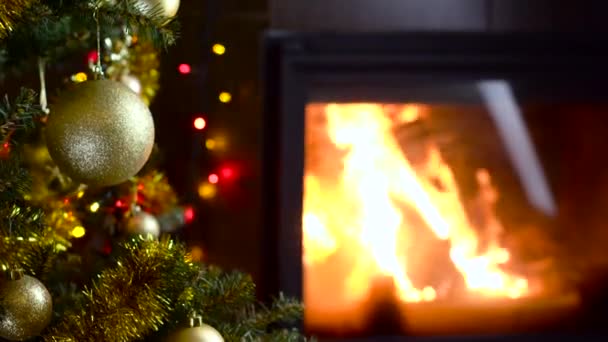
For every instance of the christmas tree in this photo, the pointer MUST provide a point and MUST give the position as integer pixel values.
(87, 222)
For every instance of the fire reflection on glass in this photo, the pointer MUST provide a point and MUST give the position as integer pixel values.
(401, 227)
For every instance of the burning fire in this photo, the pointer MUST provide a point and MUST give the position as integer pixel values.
(366, 203)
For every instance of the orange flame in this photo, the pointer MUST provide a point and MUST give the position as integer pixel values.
(360, 206)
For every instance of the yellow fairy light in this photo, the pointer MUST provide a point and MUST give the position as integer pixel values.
(94, 207)
(210, 144)
(80, 194)
(197, 253)
(225, 97)
(218, 143)
(218, 49)
(78, 232)
(207, 190)
(79, 77)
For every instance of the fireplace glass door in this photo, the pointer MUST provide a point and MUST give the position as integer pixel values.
(481, 210)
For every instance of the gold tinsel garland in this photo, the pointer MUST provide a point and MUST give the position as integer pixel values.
(10, 12)
(141, 62)
(144, 64)
(156, 194)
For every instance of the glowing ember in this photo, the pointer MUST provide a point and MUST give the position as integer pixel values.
(365, 204)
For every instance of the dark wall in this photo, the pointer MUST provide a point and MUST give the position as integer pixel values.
(461, 15)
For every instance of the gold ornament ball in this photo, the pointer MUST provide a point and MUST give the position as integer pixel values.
(203, 333)
(167, 8)
(26, 307)
(143, 223)
(100, 133)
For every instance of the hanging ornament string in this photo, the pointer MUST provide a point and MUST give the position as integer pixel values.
(43, 100)
(98, 71)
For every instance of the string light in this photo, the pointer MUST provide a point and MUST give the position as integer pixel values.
(189, 215)
(197, 253)
(218, 49)
(210, 144)
(92, 56)
(94, 207)
(227, 172)
(79, 77)
(78, 232)
(225, 97)
(184, 68)
(207, 190)
(213, 178)
(200, 123)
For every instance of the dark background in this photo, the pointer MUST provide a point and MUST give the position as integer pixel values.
(227, 226)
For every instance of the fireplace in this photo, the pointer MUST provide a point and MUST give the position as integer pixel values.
(438, 185)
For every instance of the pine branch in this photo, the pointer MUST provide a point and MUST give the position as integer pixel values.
(150, 24)
(26, 242)
(45, 33)
(58, 28)
(283, 310)
(14, 180)
(285, 335)
(19, 118)
(131, 299)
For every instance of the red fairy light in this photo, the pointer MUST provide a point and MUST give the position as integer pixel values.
(227, 172)
(213, 178)
(119, 204)
(107, 247)
(5, 150)
(189, 214)
(140, 187)
(92, 56)
(184, 68)
(66, 201)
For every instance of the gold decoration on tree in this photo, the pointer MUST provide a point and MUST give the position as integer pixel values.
(10, 12)
(47, 179)
(196, 332)
(167, 8)
(100, 133)
(142, 223)
(60, 216)
(26, 306)
(156, 194)
(136, 64)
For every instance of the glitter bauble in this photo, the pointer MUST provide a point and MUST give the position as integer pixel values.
(202, 333)
(26, 307)
(167, 8)
(100, 133)
(142, 223)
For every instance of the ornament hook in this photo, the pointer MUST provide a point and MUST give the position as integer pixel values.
(97, 69)
(196, 321)
(43, 100)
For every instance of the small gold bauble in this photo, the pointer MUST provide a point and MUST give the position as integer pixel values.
(132, 82)
(26, 307)
(202, 333)
(167, 8)
(100, 133)
(142, 223)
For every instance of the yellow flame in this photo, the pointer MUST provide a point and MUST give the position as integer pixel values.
(361, 207)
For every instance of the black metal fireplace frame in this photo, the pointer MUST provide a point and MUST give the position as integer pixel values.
(372, 67)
